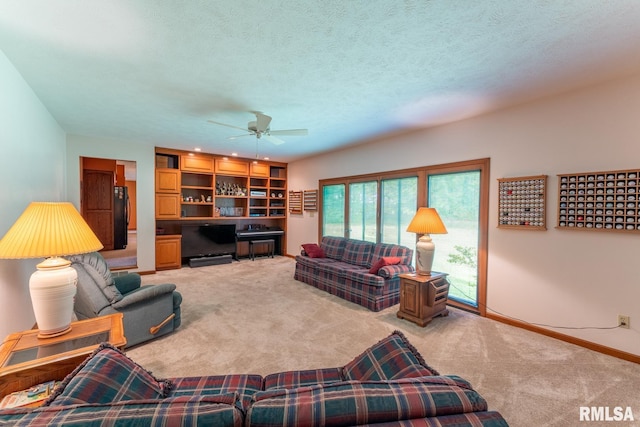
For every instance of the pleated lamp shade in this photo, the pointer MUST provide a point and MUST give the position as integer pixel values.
(427, 221)
(48, 229)
(51, 231)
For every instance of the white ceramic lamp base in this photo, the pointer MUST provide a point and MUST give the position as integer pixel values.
(53, 288)
(425, 248)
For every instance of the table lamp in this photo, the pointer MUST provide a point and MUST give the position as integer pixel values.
(425, 222)
(50, 230)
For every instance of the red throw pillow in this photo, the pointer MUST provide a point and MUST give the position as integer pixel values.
(313, 250)
(385, 260)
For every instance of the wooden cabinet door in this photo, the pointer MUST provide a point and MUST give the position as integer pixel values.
(260, 169)
(167, 206)
(232, 167)
(410, 297)
(97, 204)
(168, 254)
(196, 163)
(167, 181)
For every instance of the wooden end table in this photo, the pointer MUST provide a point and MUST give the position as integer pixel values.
(26, 360)
(423, 297)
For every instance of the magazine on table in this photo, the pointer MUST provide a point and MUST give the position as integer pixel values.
(29, 396)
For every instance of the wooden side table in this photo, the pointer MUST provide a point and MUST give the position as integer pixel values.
(423, 297)
(26, 360)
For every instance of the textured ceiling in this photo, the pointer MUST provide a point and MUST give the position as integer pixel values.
(155, 71)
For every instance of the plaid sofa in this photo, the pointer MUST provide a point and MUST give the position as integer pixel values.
(388, 384)
(344, 271)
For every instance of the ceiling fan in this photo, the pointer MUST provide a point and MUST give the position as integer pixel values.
(260, 128)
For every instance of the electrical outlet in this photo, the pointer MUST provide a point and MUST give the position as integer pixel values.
(624, 321)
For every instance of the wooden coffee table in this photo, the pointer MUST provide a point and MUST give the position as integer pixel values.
(26, 360)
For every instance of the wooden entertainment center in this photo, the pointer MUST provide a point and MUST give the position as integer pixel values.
(202, 188)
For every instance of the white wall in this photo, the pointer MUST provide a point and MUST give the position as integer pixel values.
(556, 277)
(33, 148)
(144, 156)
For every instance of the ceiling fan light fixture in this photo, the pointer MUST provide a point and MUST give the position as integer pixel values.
(261, 127)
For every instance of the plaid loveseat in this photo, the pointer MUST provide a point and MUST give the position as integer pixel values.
(388, 384)
(346, 268)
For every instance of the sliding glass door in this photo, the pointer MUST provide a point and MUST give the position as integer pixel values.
(456, 197)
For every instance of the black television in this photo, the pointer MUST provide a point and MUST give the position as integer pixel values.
(201, 240)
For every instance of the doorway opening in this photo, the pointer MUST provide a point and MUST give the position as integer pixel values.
(108, 204)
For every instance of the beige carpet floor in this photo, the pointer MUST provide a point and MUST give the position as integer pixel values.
(252, 317)
(120, 259)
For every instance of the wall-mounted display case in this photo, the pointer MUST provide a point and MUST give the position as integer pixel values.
(522, 202)
(602, 201)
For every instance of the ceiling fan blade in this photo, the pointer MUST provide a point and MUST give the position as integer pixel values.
(262, 121)
(224, 124)
(241, 136)
(291, 132)
(272, 139)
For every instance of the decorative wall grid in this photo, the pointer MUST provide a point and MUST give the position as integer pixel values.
(295, 202)
(603, 201)
(310, 200)
(522, 202)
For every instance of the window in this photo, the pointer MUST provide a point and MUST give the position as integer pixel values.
(378, 210)
(379, 207)
(363, 206)
(398, 205)
(333, 221)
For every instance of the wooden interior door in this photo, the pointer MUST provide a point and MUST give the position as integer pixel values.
(97, 203)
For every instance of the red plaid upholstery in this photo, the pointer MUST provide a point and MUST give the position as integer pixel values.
(244, 385)
(356, 402)
(391, 358)
(295, 379)
(388, 384)
(345, 271)
(107, 375)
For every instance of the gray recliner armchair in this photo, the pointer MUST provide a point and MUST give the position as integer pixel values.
(149, 311)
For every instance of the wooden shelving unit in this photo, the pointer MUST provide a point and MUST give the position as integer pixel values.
(202, 187)
(206, 186)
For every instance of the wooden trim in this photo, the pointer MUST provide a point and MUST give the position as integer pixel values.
(142, 273)
(567, 338)
(483, 236)
(484, 166)
(465, 307)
